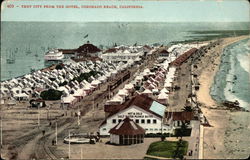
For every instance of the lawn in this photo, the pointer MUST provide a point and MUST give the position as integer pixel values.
(168, 149)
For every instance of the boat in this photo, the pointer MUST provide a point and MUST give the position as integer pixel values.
(36, 55)
(28, 51)
(11, 59)
(53, 56)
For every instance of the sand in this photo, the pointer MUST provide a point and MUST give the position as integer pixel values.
(219, 138)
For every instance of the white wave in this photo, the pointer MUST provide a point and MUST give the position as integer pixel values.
(231, 97)
(244, 61)
(229, 86)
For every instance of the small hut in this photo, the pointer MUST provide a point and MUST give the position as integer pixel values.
(163, 98)
(147, 92)
(127, 132)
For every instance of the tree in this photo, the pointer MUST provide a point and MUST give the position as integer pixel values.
(183, 129)
(163, 137)
(188, 109)
(51, 94)
(59, 67)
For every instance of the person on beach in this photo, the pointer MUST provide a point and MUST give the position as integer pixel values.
(43, 132)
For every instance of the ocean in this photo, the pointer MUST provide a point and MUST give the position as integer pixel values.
(27, 42)
(232, 80)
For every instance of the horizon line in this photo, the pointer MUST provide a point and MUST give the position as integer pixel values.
(136, 21)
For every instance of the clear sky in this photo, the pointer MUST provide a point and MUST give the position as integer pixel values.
(152, 11)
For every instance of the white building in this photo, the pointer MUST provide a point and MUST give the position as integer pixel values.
(121, 56)
(143, 110)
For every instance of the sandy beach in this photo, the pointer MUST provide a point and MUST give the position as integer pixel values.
(225, 137)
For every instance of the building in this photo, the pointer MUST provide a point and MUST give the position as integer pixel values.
(143, 110)
(125, 53)
(87, 50)
(127, 132)
(163, 53)
(121, 56)
(177, 118)
(182, 58)
(68, 53)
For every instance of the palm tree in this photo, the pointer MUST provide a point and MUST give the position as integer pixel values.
(188, 109)
(183, 129)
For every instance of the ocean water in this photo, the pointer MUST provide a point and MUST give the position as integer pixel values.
(27, 42)
(232, 80)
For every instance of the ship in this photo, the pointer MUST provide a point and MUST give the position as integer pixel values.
(53, 56)
(28, 51)
(11, 59)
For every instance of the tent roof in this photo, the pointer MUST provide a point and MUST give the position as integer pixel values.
(147, 91)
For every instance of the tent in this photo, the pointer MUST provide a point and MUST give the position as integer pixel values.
(122, 93)
(21, 96)
(163, 97)
(69, 100)
(147, 92)
(165, 90)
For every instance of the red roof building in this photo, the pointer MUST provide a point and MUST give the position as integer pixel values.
(177, 118)
(87, 50)
(127, 132)
(142, 109)
(182, 58)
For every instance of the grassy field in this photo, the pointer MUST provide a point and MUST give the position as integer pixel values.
(168, 149)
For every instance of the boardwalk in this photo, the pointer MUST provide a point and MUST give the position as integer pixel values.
(194, 141)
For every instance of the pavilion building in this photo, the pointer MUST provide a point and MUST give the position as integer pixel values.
(127, 132)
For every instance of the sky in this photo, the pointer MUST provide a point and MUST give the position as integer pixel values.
(152, 11)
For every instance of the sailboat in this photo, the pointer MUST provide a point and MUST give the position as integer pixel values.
(28, 51)
(36, 55)
(11, 59)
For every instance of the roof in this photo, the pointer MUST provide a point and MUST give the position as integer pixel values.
(180, 116)
(164, 51)
(67, 51)
(88, 48)
(110, 50)
(147, 91)
(182, 58)
(85, 58)
(162, 95)
(127, 127)
(39, 100)
(147, 47)
(142, 101)
(157, 108)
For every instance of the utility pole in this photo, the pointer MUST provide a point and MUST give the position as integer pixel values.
(69, 145)
(1, 132)
(56, 133)
(93, 107)
(81, 153)
(38, 123)
(78, 117)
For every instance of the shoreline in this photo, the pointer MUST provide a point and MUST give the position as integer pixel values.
(214, 137)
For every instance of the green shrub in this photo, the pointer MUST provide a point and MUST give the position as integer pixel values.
(51, 94)
(59, 67)
(179, 132)
(85, 76)
(158, 135)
